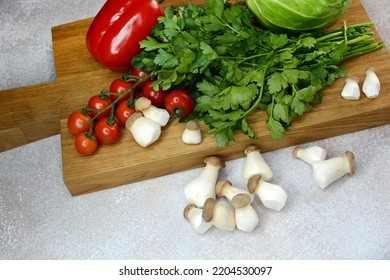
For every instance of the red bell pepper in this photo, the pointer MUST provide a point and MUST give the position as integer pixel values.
(114, 35)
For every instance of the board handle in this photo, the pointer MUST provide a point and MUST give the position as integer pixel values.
(28, 114)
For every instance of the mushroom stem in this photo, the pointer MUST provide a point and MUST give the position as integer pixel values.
(159, 115)
(310, 154)
(220, 215)
(203, 186)
(328, 171)
(371, 85)
(351, 89)
(256, 164)
(192, 133)
(237, 197)
(194, 215)
(246, 218)
(272, 196)
(144, 131)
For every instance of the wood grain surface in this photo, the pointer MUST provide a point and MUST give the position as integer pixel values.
(41, 111)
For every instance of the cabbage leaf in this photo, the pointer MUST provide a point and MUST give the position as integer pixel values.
(297, 15)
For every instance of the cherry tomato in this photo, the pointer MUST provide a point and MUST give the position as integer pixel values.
(123, 112)
(79, 122)
(97, 102)
(156, 96)
(138, 73)
(179, 103)
(106, 132)
(119, 86)
(85, 144)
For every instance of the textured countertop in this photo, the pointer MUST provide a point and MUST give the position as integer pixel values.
(39, 219)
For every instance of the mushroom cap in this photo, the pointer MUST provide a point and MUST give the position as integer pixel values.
(187, 210)
(253, 182)
(351, 162)
(296, 151)
(208, 209)
(192, 125)
(220, 186)
(142, 104)
(241, 200)
(215, 161)
(238, 201)
(131, 120)
(252, 148)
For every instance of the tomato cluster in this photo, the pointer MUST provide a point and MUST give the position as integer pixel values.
(105, 114)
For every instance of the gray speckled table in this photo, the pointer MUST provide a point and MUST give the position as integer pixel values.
(40, 220)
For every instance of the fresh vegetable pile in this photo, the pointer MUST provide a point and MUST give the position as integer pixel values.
(102, 119)
(227, 67)
(234, 67)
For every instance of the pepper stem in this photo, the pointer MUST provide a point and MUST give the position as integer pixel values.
(160, 1)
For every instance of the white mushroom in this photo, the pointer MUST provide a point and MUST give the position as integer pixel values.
(310, 154)
(144, 131)
(194, 215)
(220, 215)
(327, 171)
(246, 218)
(203, 186)
(236, 196)
(351, 90)
(159, 115)
(371, 84)
(272, 196)
(192, 133)
(256, 164)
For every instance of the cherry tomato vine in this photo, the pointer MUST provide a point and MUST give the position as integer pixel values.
(101, 120)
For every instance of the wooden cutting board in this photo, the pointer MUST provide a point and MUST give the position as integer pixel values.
(39, 111)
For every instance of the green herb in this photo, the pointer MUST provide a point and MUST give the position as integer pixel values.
(235, 67)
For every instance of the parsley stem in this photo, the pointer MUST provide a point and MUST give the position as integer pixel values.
(260, 96)
(330, 36)
(356, 40)
(252, 57)
(363, 50)
(366, 25)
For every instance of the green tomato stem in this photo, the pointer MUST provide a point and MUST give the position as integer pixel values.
(112, 105)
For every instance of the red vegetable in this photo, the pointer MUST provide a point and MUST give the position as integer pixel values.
(140, 74)
(119, 86)
(156, 96)
(99, 102)
(85, 144)
(123, 112)
(79, 122)
(114, 35)
(179, 103)
(107, 132)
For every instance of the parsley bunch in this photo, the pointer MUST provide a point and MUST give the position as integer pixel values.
(234, 67)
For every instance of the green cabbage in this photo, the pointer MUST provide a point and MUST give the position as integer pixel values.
(297, 15)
